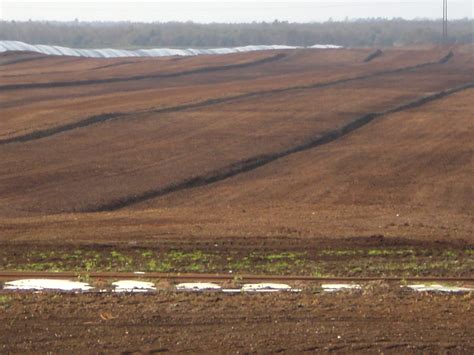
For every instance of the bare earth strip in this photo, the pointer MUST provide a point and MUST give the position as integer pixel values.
(387, 322)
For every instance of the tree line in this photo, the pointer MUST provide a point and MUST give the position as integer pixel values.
(369, 32)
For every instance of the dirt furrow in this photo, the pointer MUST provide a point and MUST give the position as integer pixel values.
(258, 161)
(38, 134)
(59, 84)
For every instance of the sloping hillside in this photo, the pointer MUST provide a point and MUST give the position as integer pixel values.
(312, 141)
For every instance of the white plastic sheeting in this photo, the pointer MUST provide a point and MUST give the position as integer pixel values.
(47, 284)
(142, 286)
(325, 46)
(6, 46)
(440, 288)
(339, 287)
(133, 286)
(198, 286)
(267, 287)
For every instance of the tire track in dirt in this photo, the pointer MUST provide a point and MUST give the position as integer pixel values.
(253, 163)
(96, 119)
(60, 84)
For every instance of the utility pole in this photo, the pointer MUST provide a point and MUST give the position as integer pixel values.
(445, 21)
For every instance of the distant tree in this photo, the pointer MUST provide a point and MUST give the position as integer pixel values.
(368, 32)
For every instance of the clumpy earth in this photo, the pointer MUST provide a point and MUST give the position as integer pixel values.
(378, 319)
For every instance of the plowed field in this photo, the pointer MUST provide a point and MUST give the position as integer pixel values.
(314, 161)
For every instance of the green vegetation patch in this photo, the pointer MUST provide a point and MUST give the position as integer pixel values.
(326, 262)
(5, 299)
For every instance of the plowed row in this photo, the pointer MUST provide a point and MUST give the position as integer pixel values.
(401, 169)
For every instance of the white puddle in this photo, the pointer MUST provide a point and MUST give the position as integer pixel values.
(439, 288)
(267, 287)
(198, 286)
(339, 287)
(46, 284)
(133, 286)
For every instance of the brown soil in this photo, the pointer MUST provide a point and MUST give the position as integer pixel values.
(85, 168)
(406, 174)
(400, 184)
(373, 321)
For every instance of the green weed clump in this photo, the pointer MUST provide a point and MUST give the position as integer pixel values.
(5, 301)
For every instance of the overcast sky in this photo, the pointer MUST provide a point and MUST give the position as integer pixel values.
(228, 11)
